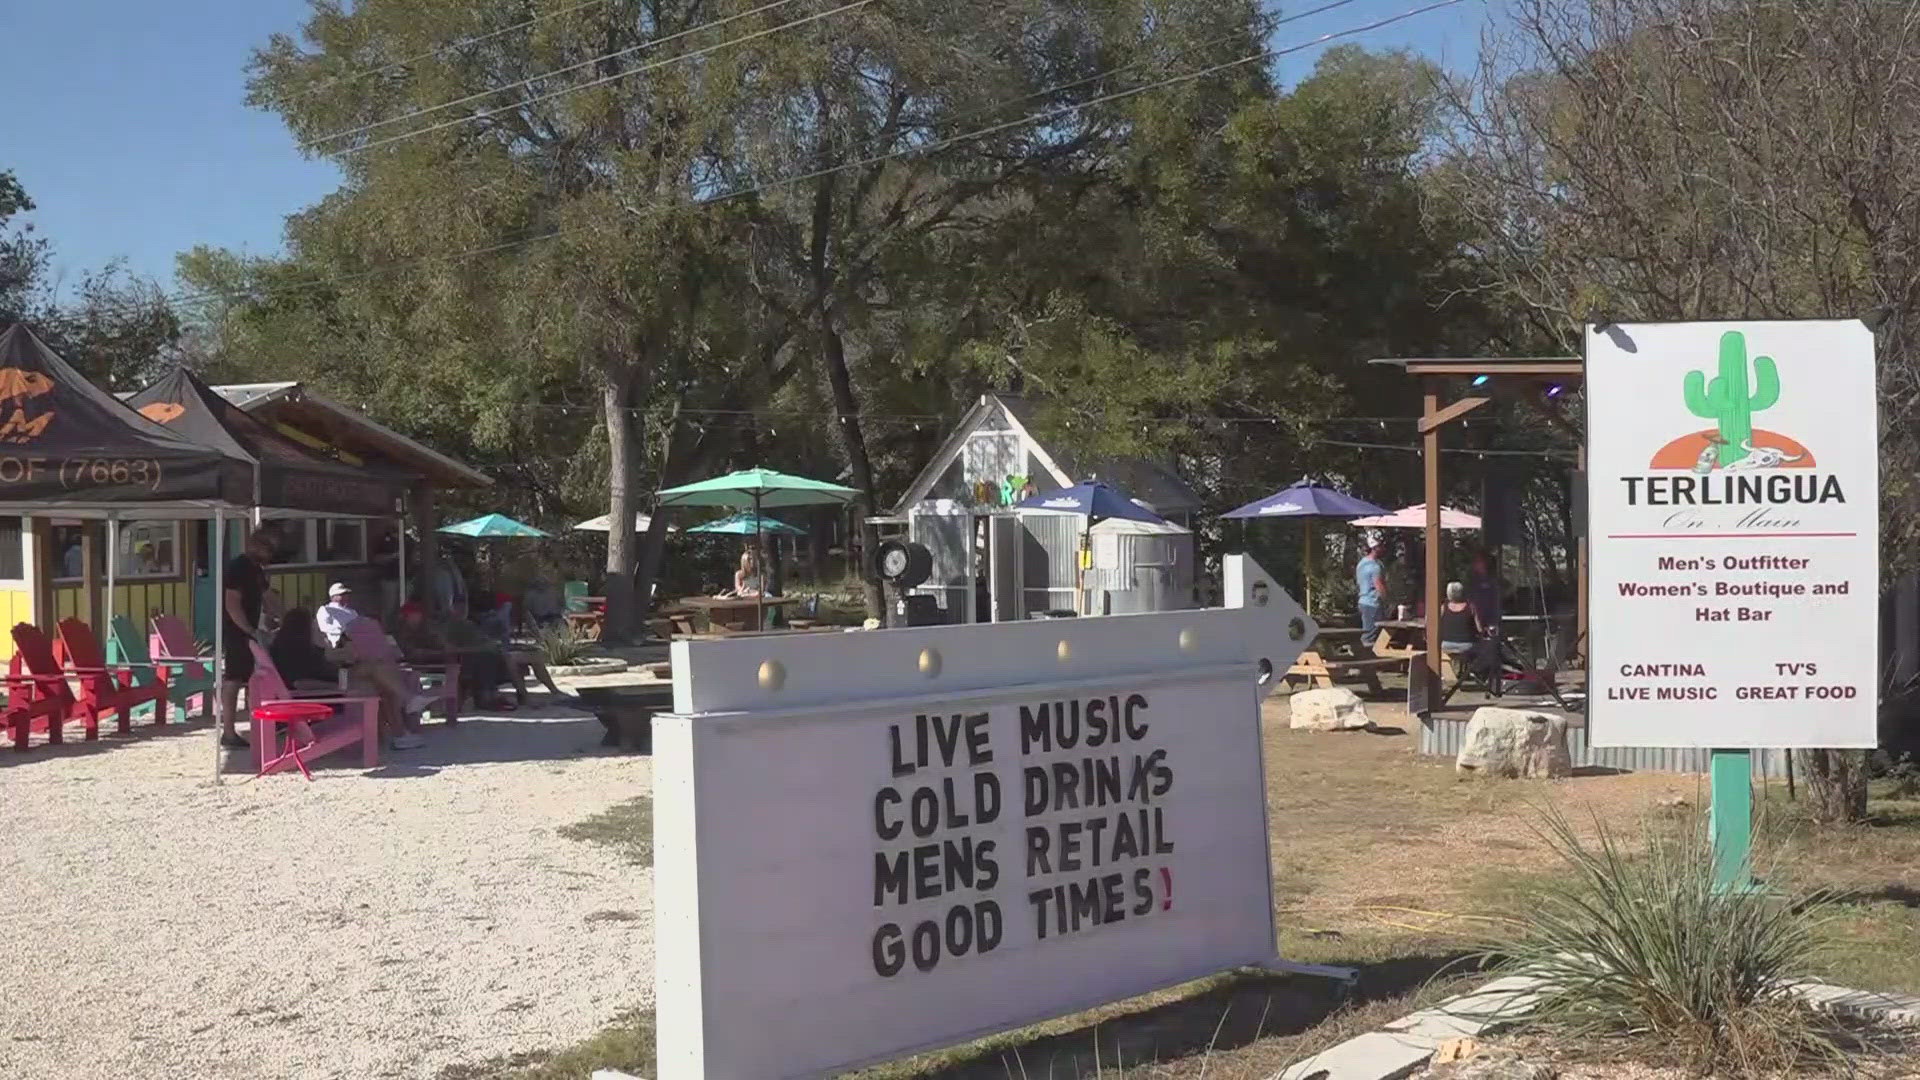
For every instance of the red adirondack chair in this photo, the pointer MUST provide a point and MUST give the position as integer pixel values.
(38, 697)
(102, 688)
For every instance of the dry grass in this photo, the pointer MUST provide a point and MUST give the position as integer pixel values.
(1384, 861)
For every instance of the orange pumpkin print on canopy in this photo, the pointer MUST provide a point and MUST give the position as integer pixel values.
(162, 412)
(1685, 451)
(17, 385)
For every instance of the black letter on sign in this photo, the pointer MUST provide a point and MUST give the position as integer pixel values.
(978, 752)
(889, 956)
(1033, 729)
(986, 865)
(901, 767)
(1143, 888)
(1113, 898)
(1036, 786)
(880, 801)
(889, 877)
(986, 916)
(986, 797)
(926, 945)
(1136, 703)
(1037, 841)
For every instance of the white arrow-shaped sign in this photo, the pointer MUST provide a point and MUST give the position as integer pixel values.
(868, 844)
(1260, 626)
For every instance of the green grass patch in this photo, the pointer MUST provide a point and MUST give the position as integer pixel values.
(626, 1044)
(625, 827)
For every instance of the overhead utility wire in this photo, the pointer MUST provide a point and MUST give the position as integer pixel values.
(355, 76)
(934, 147)
(529, 81)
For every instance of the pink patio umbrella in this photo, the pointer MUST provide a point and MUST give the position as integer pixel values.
(1415, 517)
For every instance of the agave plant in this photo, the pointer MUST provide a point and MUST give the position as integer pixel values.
(562, 645)
(1640, 941)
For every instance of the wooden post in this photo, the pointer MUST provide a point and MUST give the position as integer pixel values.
(1580, 575)
(89, 605)
(427, 520)
(40, 572)
(1430, 466)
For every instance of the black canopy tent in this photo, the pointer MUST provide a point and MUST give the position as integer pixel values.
(285, 474)
(67, 445)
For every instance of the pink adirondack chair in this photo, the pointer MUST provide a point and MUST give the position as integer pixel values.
(267, 686)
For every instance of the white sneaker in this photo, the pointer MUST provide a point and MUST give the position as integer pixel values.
(408, 741)
(419, 702)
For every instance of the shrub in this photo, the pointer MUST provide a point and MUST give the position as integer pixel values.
(562, 645)
(1642, 943)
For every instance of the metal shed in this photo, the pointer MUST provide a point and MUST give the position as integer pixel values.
(993, 563)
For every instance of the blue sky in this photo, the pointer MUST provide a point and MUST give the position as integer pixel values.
(126, 123)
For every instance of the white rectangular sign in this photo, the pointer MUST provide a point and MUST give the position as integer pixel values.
(876, 881)
(1733, 531)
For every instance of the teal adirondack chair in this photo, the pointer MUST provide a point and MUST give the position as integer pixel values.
(186, 675)
(574, 593)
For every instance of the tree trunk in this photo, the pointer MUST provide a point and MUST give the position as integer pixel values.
(616, 399)
(1836, 782)
(853, 441)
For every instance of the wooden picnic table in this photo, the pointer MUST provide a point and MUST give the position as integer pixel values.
(736, 613)
(1335, 656)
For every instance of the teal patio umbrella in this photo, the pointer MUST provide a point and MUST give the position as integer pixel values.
(756, 490)
(747, 523)
(493, 527)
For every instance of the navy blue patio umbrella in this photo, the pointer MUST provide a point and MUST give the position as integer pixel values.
(1304, 499)
(1097, 501)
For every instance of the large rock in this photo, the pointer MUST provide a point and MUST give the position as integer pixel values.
(1516, 743)
(1331, 709)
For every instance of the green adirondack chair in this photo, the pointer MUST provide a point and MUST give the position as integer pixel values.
(574, 593)
(186, 676)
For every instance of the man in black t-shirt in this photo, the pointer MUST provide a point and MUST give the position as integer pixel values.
(243, 587)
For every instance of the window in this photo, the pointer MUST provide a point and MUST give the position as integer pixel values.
(66, 538)
(340, 540)
(148, 549)
(322, 541)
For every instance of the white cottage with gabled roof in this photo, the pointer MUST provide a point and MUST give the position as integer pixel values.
(1013, 564)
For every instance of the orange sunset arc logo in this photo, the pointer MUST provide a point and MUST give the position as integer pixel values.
(1685, 451)
(163, 412)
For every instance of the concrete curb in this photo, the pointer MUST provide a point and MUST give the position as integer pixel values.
(609, 666)
(1405, 1046)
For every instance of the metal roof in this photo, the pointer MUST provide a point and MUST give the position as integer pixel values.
(254, 397)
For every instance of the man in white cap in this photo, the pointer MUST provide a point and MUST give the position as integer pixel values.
(336, 613)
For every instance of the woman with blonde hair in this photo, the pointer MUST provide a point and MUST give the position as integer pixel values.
(747, 580)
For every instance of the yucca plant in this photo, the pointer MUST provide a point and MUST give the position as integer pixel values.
(562, 645)
(1641, 943)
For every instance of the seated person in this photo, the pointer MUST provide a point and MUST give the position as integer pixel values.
(373, 663)
(496, 617)
(300, 655)
(543, 603)
(483, 667)
(336, 613)
(1462, 636)
(747, 580)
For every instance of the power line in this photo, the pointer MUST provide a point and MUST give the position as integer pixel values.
(929, 148)
(437, 50)
(643, 46)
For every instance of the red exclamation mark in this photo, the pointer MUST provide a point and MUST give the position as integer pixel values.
(1166, 876)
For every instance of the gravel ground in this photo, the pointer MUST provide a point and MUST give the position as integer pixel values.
(370, 924)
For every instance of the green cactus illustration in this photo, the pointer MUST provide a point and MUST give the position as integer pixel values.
(1726, 401)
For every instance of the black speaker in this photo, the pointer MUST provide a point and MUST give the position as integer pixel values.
(1500, 489)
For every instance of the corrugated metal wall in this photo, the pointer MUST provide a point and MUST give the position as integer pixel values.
(1444, 737)
(945, 536)
(1050, 559)
(1149, 573)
